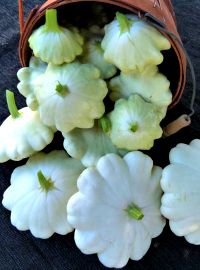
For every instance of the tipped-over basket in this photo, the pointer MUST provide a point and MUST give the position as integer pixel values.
(160, 13)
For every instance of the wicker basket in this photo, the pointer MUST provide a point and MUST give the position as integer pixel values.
(160, 13)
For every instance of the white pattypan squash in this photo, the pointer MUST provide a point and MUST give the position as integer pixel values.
(134, 124)
(70, 96)
(131, 44)
(150, 84)
(27, 77)
(53, 43)
(181, 185)
(88, 145)
(116, 212)
(39, 192)
(93, 54)
(22, 133)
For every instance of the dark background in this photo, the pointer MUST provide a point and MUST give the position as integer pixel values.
(19, 250)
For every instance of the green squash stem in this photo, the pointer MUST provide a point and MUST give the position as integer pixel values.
(51, 24)
(134, 127)
(45, 184)
(124, 23)
(134, 212)
(10, 98)
(105, 124)
(62, 90)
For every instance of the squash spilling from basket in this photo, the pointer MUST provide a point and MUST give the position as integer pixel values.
(102, 89)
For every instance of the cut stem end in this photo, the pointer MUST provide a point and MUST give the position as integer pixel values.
(134, 212)
(62, 90)
(45, 184)
(134, 127)
(10, 98)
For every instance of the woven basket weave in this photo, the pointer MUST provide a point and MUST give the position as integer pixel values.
(160, 12)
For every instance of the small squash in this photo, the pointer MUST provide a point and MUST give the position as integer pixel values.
(39, 192)
(116, 212)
